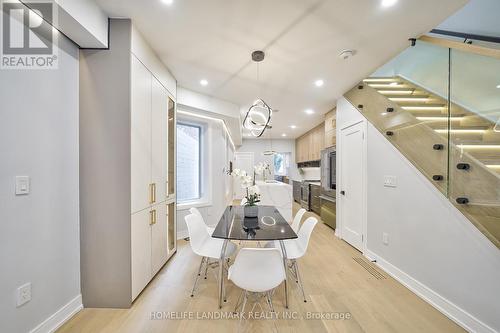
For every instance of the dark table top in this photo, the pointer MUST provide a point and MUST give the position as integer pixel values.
(268, 226)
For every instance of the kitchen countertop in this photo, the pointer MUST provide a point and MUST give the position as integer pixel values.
(277, 194)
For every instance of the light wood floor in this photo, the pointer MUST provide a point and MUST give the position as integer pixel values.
(334, 283)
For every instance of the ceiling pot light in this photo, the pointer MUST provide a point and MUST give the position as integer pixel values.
(284, 134)
(389, 3)
(319, 83)
(346, 54)
(167, 2)
(498, 86)
(293, 126)
(309, 111)
(204, 82)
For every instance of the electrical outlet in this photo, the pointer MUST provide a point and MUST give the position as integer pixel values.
(22, 185)
(385, 238)
(24, 294)
(390, 181)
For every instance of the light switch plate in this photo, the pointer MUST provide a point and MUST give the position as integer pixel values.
(24, 294)
(390, 181)
(22, 185)
(385, 238)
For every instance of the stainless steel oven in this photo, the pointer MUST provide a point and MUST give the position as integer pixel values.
(328, 187)
(328, 172)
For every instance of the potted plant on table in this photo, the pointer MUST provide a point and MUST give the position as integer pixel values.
(252, 193)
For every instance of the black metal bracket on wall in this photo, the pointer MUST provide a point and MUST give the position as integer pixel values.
(466, 36)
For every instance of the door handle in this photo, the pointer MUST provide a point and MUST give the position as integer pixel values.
(152, 193)
(342, 192)
(152, 215)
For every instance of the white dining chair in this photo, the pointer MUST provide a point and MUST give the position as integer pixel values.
(205, 246)
(196, 211)
(297, 248)
(257, 271)
(297, 219)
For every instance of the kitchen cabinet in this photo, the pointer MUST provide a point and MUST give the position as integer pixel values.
(296, 191)
(330, 129)
(315, 200)
(308, 147)
(127, 168)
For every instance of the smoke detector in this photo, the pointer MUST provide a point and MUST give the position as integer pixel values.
(346, 54)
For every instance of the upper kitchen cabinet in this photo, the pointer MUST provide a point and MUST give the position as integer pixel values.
(308, 147)
(127, 168)
(330, 126)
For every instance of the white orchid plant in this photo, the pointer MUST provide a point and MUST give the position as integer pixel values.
(248, 184)
(261, 169)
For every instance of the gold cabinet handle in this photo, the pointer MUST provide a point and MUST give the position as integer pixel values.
(152, 217)
(152, 193)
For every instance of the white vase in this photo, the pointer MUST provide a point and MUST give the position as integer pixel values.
(251, 211)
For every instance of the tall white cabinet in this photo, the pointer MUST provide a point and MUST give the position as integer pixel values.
(127, 168)
(149, 175)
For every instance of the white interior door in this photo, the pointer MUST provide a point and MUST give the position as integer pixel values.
(245, 162)
(159, 139)
(140, 136)
(351, 187)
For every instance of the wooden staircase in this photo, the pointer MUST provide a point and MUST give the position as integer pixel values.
(456, 149)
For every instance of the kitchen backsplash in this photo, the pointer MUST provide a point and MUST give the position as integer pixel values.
(311, 174)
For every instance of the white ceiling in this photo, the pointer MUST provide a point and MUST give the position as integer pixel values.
(213, 40)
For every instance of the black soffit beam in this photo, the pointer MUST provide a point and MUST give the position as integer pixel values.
(491, 39)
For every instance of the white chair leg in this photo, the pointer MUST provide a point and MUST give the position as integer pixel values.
(299, 280)
(238, 302)
(206, 268)
(198, 275)
(270, 301)
(245, 297)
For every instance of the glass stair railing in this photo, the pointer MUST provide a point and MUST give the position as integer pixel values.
(430, 103)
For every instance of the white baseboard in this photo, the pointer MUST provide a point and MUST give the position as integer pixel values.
(452, 311)
(61, 316)
(181, 234)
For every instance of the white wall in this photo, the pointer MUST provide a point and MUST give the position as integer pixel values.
(216, 163)
(433, 248)
(83, 21)
(39, 232)
(228, 111)
(258, 146)
(476, 17)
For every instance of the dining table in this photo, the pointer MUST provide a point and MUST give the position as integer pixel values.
(268, 225)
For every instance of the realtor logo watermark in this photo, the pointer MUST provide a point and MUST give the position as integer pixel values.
(28, 38)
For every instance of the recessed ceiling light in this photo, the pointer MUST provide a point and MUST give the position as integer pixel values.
(293, 126)
(319, 83)
(284, 134)
(309, 111)
(167, 2)
(388, 3)
(203, 82)
(498, 86)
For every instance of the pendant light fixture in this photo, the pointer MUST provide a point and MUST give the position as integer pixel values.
(271, 151)
(258, 116)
